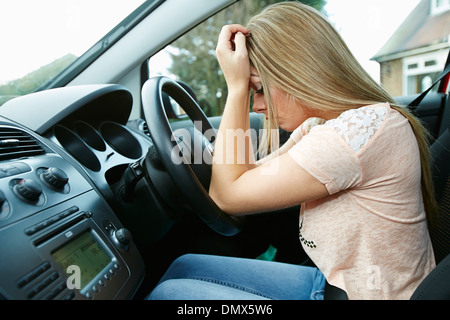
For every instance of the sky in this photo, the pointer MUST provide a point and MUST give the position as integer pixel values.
(368, 25)
(364, 24)
(32, 35)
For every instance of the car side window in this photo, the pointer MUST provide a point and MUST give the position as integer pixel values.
(403, 46)
(192, 58)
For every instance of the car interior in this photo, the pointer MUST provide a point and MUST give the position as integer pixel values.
(97, 171)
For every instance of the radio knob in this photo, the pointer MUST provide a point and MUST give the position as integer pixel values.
(28, 189)
(123, 237)
(55, 177)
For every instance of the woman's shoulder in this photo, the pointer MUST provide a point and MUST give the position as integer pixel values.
(357, 126)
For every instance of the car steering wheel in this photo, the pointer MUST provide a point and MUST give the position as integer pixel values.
(192, 183)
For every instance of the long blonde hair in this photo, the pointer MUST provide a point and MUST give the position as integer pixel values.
(297, 51)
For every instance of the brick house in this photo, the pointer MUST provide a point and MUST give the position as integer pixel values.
(416, 53)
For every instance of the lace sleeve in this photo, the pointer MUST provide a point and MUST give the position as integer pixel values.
(357, 126)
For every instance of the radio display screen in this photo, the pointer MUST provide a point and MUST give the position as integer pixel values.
(84, 252)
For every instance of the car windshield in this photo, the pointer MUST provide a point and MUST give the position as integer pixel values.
(41, 38)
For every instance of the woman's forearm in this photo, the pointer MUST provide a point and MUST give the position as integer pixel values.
(233, 151)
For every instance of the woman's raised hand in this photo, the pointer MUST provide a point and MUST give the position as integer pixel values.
(233, 58)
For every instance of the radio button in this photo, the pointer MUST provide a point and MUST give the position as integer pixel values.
(42, 284)
(112, 272)
(109, 227)
(13, 169)
(55, 291)
(30, 276)
(43, 224)
(88, 295)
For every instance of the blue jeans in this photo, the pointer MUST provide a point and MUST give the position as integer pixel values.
(205, 277)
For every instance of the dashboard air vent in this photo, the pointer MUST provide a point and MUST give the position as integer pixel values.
(15, 143)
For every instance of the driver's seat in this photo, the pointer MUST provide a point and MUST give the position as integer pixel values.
(436, 286)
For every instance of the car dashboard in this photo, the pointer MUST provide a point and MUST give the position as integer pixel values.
(63, 153)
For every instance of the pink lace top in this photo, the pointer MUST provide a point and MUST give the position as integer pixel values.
(369, 236)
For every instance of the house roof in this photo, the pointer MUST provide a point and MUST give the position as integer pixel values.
(420, 29)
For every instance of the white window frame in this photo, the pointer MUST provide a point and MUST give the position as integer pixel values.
(442, 7)
(439, 56)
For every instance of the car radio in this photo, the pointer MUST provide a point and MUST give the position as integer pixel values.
(81, 260)
(69, 254)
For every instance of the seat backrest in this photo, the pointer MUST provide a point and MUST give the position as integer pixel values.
(440, 227)
(445, 118)
(436, 285)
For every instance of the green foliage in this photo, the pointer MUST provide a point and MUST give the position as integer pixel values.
(194, 61)
(35, 79)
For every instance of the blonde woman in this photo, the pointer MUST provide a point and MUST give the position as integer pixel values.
(356, 162)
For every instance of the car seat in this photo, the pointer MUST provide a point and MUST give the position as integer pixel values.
(436, 286)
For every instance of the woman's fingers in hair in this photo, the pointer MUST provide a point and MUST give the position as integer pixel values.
(233, 58)
(240, 43)
(228, 34)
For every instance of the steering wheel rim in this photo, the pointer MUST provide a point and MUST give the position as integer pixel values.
(182, 174)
